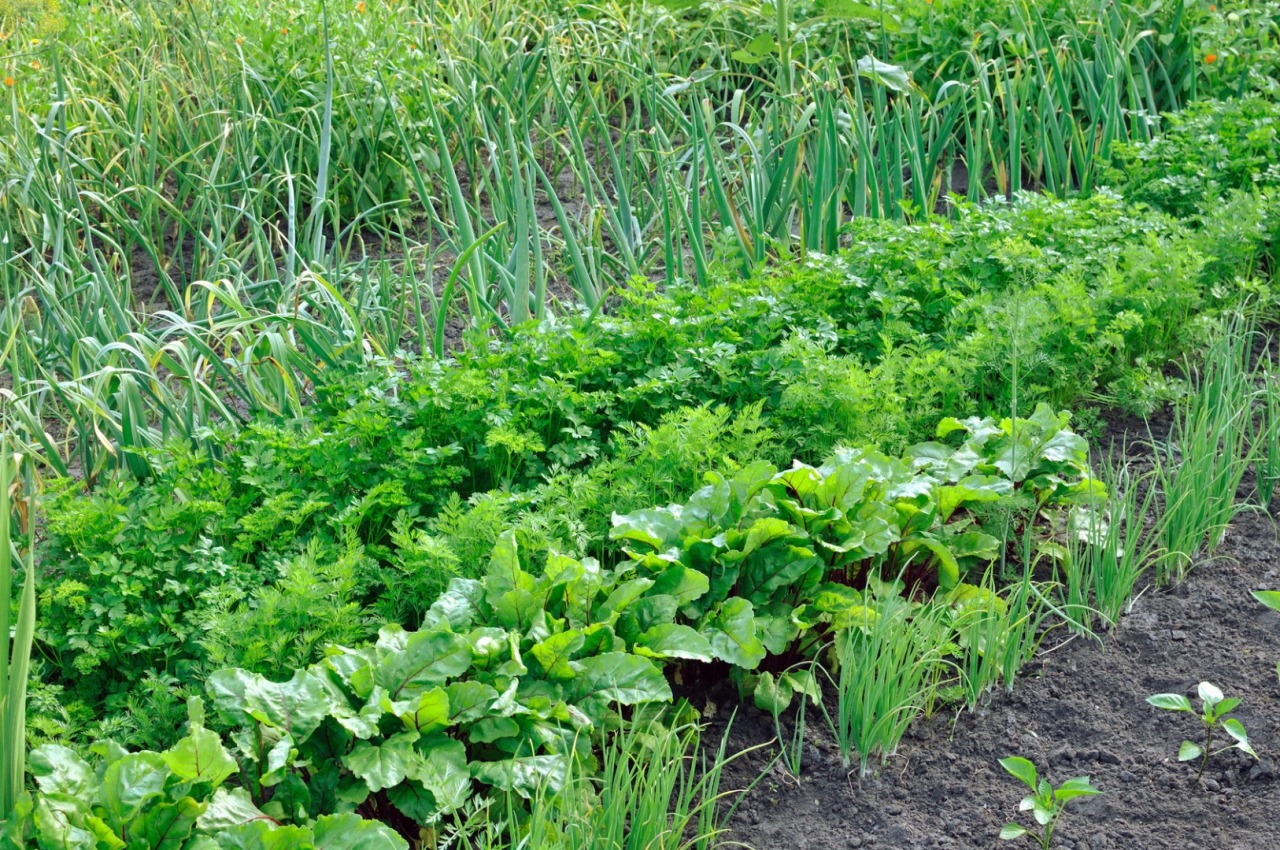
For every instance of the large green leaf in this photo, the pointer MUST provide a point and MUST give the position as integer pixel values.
(385, 764)
(443, 772)
(469, 700)
(264, 835)
(554, 653)
(761, 533)
(168, 825)
(130, 783)
(56, 831)
(414, 801)
(974, 488)
(672, 640)
(504, 574)
(732, 633)
(516, 609)
(352, 832)
(428, 659)
(59, 770)
(297, 706)
(200, 757)
(769, 570)
(229, 808)
(680, 582)
(526, 776)
(621, 597)
(621, 678)
(457, 607)
(655, 527)
(424, 715)
(777, 626)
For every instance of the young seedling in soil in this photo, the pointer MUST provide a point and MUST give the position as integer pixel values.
(1215, 711)
(1270, 598)
(1044, 802)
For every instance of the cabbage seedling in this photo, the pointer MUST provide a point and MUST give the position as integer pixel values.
(1044, 802)
(1214, 713)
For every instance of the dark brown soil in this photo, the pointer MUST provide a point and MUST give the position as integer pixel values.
(1079, 709)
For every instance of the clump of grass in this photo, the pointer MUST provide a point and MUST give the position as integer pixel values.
(1198, 469)
(1111, 544)
(997, 635)
(887, 675)
(1267, 437)
(657, 789)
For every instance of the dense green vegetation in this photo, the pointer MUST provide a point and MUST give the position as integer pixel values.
(427, 387)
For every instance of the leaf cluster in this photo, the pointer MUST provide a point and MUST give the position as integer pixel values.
(786, 555)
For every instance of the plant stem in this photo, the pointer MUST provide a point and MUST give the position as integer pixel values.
(1208, 748)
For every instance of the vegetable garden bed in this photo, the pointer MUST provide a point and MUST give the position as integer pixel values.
(424, 425)
(1079, 708)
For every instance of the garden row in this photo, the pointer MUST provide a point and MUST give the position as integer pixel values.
(258, 550)
(279, 550)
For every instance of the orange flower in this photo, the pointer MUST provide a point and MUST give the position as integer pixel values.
(360, 7)
(1212, 8)
(1210, 58)
(8, 82)
(284, 30)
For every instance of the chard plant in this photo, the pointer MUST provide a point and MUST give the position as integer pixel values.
(1045, 802)
(181, 797)
(1215, 712)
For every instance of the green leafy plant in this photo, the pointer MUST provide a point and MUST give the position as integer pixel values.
(1045, 802)
(787, 554)
(995, 634)
(658, 786)
(176, 798)
(1208, 150)
(1215, 711)
(798, 687)
(508, 683)
(1110, 546)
